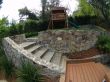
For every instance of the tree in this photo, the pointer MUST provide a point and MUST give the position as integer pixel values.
(84, 9)
(103, 6)
(44, 4)
(25, 13)
(3, 28)
(46, 7)
(54, 3)
(4, 22)
(1, 2)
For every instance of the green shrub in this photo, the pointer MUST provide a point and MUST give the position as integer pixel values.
(13, 29)
(30, 26)
(20, 28)
(31, 34)
(29, 73)
(103, 43)
(7, 67)
(4, 31)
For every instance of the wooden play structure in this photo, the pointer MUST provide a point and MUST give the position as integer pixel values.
(58, 15)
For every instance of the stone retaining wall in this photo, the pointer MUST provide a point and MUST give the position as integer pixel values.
(68, 41)
(17, 54)
(19, 38)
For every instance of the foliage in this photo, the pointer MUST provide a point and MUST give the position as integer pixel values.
(25, 12)
(13, 29)
(106, 60)
(7, 66)
(3, 22)
(31, 34)
(54, 3)
(103, 6)
(44, 4)
(3, 32)
(0, 3)
(29, 73)
(87, 19)
(30, 26)
(103, 43)
(34, 26)
(1, 55)
(84, 9)
(47, 5)
(20, 28)
(3, 28)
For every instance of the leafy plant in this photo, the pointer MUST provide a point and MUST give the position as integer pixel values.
(7, 66)
(103, 43)
(102, 6)
(29, 73)
(31, 34)
(84, 9)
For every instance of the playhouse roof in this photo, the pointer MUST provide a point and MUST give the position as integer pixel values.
(58, 8)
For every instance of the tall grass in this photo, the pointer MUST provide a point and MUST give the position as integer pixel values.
(7, 67)
(29, 73)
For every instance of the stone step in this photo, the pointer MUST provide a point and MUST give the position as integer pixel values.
(63, 63)
(32, 39)
(40, 52)
(48, 56)
(27, 45)
(34, 48)
(56, 58)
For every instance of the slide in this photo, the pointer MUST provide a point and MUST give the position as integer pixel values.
(73, 24)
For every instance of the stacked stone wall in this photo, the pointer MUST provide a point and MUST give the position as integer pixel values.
(17, 54)
(68, 41)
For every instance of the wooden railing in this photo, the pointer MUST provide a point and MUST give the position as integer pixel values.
(59, 16)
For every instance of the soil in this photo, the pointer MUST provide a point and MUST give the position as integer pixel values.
(85, 54)
(2, 77)
(13, 79)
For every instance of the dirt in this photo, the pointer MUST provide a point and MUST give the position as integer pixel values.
(2, 77)
(85, 54)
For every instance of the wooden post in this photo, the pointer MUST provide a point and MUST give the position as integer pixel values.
(58, 14)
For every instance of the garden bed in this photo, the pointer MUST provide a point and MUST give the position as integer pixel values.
(2, 77)
(85, 54)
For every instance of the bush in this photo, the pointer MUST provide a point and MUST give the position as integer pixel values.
(20, 28)
(4, 31)
(7, 66)
(29, 73)
(42, 25)
(30, 26)
(31, 34)
(103, 43)
(83, 20)
(13, 30)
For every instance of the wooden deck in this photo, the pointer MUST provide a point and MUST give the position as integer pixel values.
(85, 72)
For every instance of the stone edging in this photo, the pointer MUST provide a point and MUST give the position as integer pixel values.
(23, 53)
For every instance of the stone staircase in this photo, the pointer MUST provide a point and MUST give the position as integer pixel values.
(43, 53)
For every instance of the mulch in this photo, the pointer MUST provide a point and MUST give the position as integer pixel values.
(84, 54)
(2, 77)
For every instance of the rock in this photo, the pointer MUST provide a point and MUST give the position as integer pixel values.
(68, 41)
